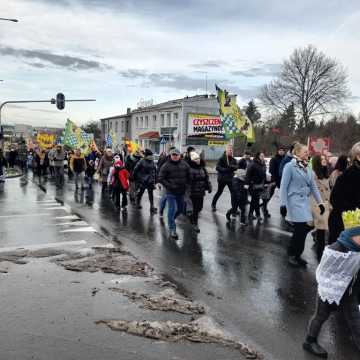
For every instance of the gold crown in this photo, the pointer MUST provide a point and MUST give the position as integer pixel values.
(351, 219)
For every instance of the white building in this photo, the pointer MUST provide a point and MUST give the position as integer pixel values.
(159, 126)
(119, 125)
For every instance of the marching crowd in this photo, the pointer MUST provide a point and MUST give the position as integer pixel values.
(314, 195)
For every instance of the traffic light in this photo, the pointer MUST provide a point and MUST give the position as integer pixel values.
(60, 101)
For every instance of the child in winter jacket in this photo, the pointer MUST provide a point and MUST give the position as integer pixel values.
(120, 184)
(239, 195)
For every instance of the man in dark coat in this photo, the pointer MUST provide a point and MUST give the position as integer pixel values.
(225, 168)
(145, 178)
(175, 176)
(275, 166)
(345, 195)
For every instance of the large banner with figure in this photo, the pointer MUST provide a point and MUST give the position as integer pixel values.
(203, 125)
(235, 123)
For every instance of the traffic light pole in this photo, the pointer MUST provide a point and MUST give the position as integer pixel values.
(51, 101)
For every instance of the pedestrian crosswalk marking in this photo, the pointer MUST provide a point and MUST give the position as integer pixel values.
(73, 223)
(23, 215)
(67, 217)
(83, 229)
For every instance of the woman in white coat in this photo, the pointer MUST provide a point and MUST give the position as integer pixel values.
(297, 184)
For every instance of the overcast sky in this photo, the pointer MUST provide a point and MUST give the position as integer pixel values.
(121, 51)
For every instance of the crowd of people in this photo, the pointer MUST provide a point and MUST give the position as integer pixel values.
(314, 194)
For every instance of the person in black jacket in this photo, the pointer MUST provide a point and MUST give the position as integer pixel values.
(130, 164)
(275, 166)
(199, 183)
(345, 195)
(175, 177)
(225, 168)
(144, 175)
(239, 195)
(3, 163)
(256, 177)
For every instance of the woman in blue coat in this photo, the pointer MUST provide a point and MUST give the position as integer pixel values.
(297, 184)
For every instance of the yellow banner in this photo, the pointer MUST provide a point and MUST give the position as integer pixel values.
(217, 142)
(45, 141)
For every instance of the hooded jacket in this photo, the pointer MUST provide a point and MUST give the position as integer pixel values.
(225, 167)
(175, 176)
(199, 179)
(145, 173)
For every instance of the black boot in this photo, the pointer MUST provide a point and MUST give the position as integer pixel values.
(311, 345)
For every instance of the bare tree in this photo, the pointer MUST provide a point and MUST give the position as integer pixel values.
(312, 81)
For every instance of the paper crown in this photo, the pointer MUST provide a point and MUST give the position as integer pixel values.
(351, 219)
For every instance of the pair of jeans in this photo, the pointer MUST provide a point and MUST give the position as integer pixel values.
(79, 176)
(220, 189)
(162, 202)
(59, 176)
(297, 242)
(175, 208)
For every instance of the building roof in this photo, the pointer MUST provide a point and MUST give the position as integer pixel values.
(150, 135)
(116, 117)
(163, 105)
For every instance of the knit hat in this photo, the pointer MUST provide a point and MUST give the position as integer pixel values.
(118, 163)
(148, 152)
(194, 156)
(175, 151)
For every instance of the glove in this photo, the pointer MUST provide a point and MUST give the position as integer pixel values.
(283, 211)
(322, 209)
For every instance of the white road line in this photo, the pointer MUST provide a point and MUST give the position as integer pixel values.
(23, 215)
(45, 201)
(57, 208)
(67, 217)
(74, 223)
(279, 231)
(83, 229)
(42, 246)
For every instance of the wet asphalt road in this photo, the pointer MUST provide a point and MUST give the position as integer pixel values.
(241, 273)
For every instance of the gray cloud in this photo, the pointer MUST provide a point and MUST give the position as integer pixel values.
(264, 70)
(179, 82)
(65, 61)
(209, 64)
(214, 13)
(133, 73)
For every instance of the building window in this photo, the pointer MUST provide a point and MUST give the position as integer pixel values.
(116, 126)
(168, 119)
(176, 119)
(137, 122)
(154, 121)
(127, 126)
(122, 125)
(146, 121)
(141, 122)
(162, 117)
(110, 126)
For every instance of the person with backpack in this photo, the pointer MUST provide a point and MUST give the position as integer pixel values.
(120, 184)
(145, 179)
(130, 163)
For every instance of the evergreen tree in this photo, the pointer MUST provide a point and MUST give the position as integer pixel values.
(252, 112)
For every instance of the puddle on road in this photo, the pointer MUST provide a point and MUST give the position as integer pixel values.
(166, 300)
(202, 330)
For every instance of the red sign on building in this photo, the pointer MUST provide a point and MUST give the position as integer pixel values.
(318, 146)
